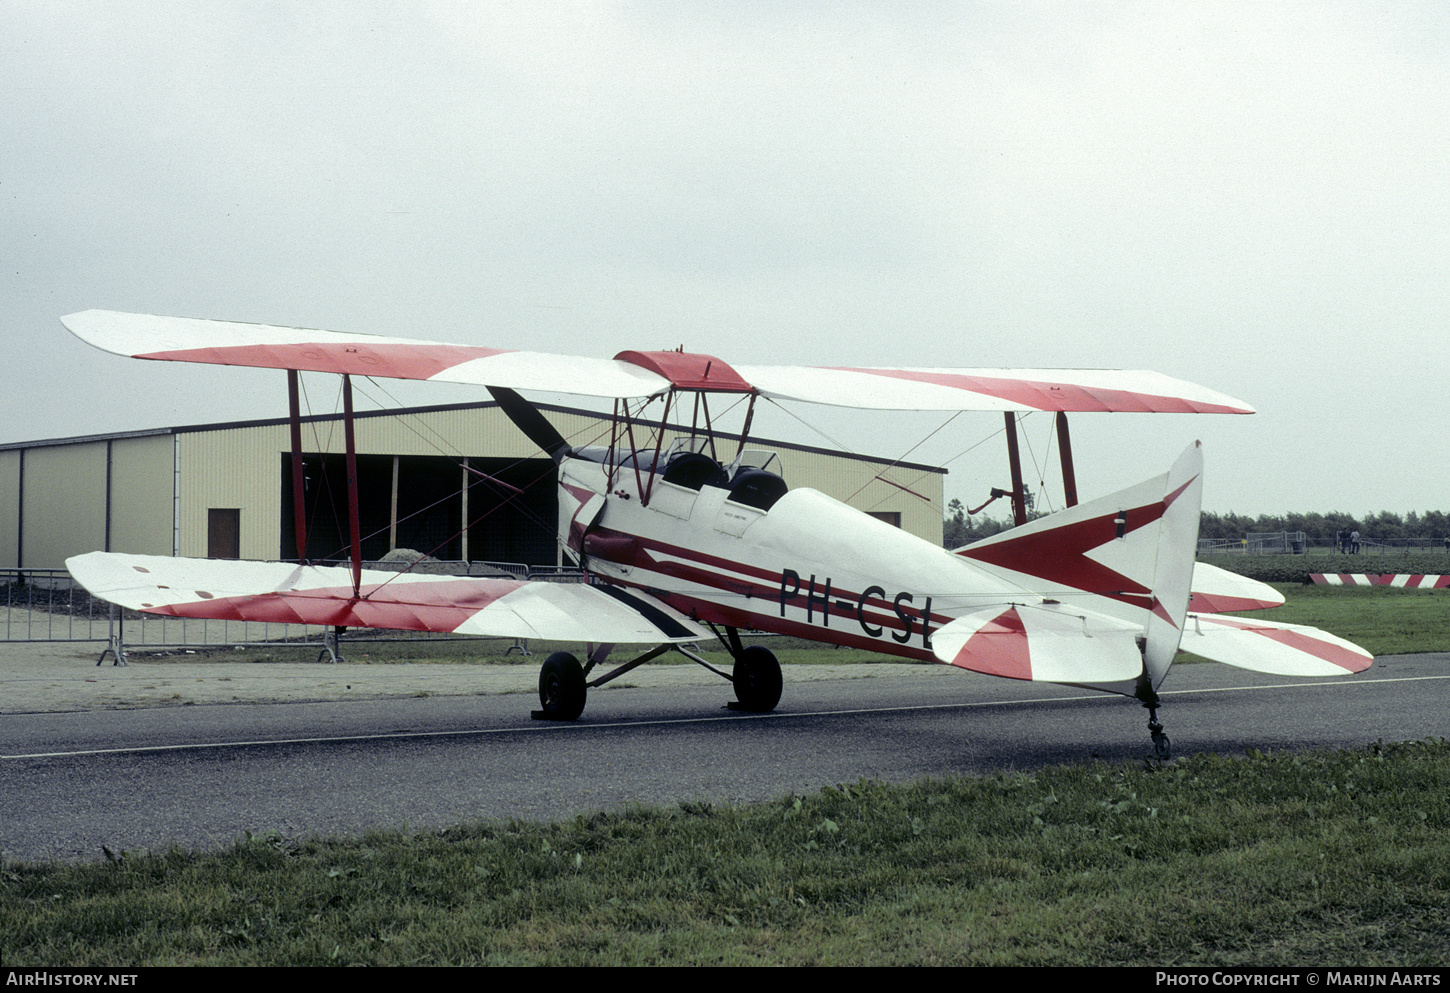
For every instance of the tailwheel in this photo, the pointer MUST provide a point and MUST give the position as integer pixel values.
(561, 688)
(757, 680)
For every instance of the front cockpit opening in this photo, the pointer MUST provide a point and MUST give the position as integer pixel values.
(693, 470)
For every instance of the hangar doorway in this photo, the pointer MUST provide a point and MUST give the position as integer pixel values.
(422, 502)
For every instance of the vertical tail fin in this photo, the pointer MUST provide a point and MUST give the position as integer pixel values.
(1129, 555)
(1173, 567)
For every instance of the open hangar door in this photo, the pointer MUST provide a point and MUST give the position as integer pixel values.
(422, 502)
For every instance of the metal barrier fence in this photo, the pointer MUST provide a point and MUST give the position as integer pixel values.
(1249, 546)
(48, 605)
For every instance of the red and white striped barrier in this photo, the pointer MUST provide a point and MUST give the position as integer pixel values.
(1406, 579)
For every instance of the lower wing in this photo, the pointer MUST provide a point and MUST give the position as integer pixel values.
(284, 593)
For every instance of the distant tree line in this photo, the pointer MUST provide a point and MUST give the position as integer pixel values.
(959, 528)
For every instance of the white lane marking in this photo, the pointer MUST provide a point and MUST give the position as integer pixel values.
(661, 722)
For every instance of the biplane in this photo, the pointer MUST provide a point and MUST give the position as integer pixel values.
(701, 538)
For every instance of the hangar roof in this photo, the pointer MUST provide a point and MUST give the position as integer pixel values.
(362, 415)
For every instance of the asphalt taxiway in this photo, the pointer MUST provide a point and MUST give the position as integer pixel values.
(164, 752)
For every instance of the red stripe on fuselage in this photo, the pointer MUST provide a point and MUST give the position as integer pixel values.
(767, 588)
(716, 613)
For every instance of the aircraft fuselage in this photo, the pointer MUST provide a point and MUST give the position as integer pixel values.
(807, 565)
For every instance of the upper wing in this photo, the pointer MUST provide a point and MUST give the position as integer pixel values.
(640, 374)
(283, 593)
(184, 339)
(1123, 390)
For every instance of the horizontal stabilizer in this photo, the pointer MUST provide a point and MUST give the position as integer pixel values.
(1216, 591)
(285, 593)
(1281, 649)
(1044, 643)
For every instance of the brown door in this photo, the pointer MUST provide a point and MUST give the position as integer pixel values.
(223, 533)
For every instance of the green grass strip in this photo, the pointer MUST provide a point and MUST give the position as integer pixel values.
(1335, 858)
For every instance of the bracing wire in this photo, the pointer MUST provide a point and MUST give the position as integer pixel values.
(914, 480)
(882, 474)
(1040, 468)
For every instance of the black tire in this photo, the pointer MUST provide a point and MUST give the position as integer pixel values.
(757, 679)
(561, 687)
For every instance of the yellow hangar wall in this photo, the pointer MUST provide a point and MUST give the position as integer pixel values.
(142, 488)
(60, 499)
(67, 484)
(10, 507)
(151, 493)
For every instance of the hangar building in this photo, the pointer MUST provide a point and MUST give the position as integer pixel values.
(224, 490)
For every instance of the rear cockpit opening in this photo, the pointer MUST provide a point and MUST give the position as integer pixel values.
(758, 488)
(755, 479)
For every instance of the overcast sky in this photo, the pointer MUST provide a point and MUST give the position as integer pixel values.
(1251, 196)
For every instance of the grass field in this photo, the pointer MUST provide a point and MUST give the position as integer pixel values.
(1331, 858)
(1324, 859)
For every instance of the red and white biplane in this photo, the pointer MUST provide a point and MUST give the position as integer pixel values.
(691, 540)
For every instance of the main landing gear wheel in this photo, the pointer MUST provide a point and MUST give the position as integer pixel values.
(561, 688)
(757, 680)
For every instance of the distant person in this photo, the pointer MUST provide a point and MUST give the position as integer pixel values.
(1354, 542)
(1447, 544)
(1340, 545)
